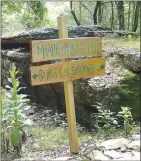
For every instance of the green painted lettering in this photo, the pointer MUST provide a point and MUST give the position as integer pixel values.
(49, 74)
(72, 48)
(58, 49)
(74, 71)
(41, 75)
(59, 70)
(87, 47)
(44, 50)
(38, 50)
(50, 49)
(66, 71)
(68, 50)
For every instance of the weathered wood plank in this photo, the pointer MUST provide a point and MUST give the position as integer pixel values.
(43, 50)
(69, 95)
(65, 71)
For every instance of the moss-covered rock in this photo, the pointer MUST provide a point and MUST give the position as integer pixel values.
(126, 94)
(119, 87)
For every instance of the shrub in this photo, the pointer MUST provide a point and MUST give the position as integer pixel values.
(127, 117)
(13, 119)
(105, 119)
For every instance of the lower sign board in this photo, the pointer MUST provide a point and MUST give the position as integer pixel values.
(65, 71)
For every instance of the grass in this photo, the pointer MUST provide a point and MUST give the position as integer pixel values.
(48, 138)
(122, 42)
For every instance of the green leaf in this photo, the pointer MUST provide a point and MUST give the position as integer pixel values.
(21, 88)
(8, 87)
(10, 80)
(16, 137)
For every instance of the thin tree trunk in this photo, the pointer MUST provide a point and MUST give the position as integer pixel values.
(136, 19)
(80, 12)
(112, 19)
(129, 16)
(86, 7)
(133, 13)
(74, 15)
(120, 9)
(100, 12)
(95, 12)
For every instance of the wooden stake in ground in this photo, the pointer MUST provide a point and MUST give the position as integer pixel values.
(69, 96)
(67, 71)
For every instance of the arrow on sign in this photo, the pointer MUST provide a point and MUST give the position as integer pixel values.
(35, 76)
(102, 66)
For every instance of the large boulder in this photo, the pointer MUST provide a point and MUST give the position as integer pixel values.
(130, 60)
(119, 87)
(23, 39)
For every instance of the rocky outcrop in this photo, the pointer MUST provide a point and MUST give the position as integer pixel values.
(23, 39)
(111, 33)
(130, 60)
(119, 87)
(112, 149)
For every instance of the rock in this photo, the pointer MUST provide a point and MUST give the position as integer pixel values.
(97, 155)
(130, 59)
(31, 112)
(136, 155)
(114, 143)
(109, 89)
(109, 32)
(136, 137)
(134, 145)
(126, 156)
(24, 159)
(130, 156)
(23, 39)
(33, 159)
(132, 62)
(123, 148)
(113, 154)
(63, 159)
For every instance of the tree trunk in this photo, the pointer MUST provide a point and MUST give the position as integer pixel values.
(129, 15)
(136, 18)
(80, 12)
(112, 19)
(95, 12)
(100, 12)
(74, 15)
(120, 9)
(133, 12)
(86, 8)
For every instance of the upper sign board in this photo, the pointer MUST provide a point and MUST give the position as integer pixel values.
(43, 50)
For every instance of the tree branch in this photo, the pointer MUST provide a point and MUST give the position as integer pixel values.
(86, 8)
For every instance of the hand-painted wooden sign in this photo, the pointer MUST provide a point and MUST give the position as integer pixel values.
(43, 50)
(65, 71)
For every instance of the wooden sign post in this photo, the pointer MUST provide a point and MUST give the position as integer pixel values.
(66, 71)
(69, 97)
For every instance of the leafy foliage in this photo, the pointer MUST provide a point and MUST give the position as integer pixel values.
(23, 15)
(105, 119)
(37, 16)
(13, 119)
(127, 116)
